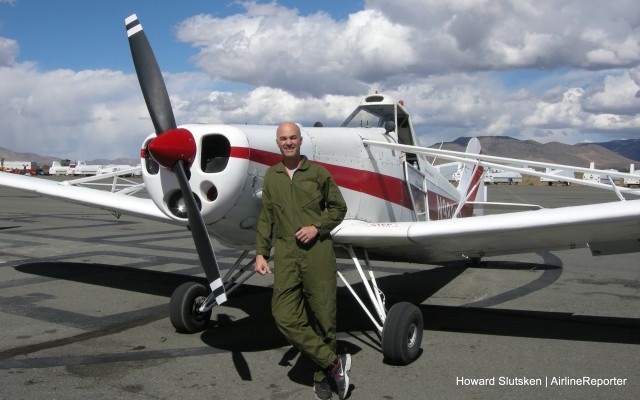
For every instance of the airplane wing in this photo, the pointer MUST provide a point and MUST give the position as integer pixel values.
(606, 228)
(114, 202)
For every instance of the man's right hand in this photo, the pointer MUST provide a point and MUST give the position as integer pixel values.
(262, 267)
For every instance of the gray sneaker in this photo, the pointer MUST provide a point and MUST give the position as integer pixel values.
(340, 374)
(322, 390)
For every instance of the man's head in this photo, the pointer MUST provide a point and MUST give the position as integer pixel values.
(289, 139)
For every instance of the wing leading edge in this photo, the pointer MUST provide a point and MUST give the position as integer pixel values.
(113, 202)
(606, 228)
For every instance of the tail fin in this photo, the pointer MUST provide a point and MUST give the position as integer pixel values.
(470, 185)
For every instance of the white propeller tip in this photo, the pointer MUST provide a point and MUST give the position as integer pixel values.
(130, 19)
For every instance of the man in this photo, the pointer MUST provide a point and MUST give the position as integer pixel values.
(303, 203)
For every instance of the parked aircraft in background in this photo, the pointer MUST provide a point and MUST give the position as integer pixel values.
(559, 177)
(111, 168)
(635, 180)
(75, 168)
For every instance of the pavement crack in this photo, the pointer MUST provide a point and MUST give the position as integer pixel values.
(156, 313)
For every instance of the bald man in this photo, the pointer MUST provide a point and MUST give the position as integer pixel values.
(303, 203)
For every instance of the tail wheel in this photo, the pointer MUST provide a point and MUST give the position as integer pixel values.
(402, 334)
(184, 305)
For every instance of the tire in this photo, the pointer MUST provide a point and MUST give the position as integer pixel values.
(183, 308)
(402, 334)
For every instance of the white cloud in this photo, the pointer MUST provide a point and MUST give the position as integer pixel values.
(8, 52)
(86, 114)
(615, 95)
(565, 112)
(634, 74)
(483, 34)
(610, 106)
(274, 46)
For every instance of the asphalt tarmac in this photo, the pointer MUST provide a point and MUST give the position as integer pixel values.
(84, 315)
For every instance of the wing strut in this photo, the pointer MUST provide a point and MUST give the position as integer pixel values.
(616, 189)
(372, 290)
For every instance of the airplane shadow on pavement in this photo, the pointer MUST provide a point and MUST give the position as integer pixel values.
(257, 332)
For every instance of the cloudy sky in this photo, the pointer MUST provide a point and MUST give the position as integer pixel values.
(545, 70)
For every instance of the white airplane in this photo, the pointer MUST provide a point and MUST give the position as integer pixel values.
(400, 207)
(110, 168)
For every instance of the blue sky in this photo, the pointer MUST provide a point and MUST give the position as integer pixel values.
(536, 70)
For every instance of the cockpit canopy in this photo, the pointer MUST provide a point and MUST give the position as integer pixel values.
(379, 111)
(376, 111)
(365, 117)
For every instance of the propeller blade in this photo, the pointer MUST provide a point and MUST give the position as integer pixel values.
(150, 78)
(176, 151)
(200, 235)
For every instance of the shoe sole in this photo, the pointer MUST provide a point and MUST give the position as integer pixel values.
(347, 369)
(318, 398)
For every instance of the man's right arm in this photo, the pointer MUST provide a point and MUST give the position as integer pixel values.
(263, 232)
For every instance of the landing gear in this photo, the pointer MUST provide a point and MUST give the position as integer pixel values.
(400, 328)
(184, 307)
(191, 303)
(402, 334)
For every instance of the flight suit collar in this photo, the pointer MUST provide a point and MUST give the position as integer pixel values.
(303, 165)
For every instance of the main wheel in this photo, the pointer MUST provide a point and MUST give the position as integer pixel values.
(183, 308)
(402, 334)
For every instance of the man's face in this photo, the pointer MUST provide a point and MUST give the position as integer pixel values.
(289, 141)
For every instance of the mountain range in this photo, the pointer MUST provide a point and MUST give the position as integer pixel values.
(618, 154)
(10, 155)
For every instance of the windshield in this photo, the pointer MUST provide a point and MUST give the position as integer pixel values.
(364, 118)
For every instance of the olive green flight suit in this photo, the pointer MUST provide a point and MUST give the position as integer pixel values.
(310, 198)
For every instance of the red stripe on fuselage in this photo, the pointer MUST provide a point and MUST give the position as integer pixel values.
(240, 152)
(382, 186)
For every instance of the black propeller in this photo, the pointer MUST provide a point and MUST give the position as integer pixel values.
(173, 148)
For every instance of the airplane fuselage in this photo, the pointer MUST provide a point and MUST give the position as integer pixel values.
(228, 171)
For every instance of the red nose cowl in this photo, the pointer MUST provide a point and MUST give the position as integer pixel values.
(173, 145)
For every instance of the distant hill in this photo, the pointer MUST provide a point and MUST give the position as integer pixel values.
(9, 155)
(629, 148)
(579, 155)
